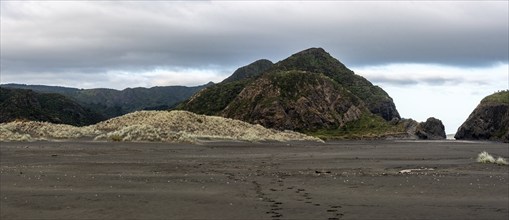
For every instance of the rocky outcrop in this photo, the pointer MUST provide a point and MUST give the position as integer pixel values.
(488, 121)
(308, 91)
(317, 60)
(295, 100)
(213, 99)
(431, 129)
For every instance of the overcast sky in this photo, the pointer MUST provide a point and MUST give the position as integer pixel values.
(434, 58)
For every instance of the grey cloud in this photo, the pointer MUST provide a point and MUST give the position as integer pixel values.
(432, 81)
(95, 37)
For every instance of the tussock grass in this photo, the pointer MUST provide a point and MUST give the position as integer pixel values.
(485, 157)
(30, 130)
(159, 126)
(8, 135)
(501, 161)
(183, 126)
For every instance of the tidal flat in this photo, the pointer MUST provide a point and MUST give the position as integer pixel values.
(241, 180)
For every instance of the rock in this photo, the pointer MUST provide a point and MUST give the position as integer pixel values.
(432, 129)
(295, 100)
(488, 121)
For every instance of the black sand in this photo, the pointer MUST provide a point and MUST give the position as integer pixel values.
(340, 180)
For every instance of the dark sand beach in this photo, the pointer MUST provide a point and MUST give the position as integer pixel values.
(234, 180)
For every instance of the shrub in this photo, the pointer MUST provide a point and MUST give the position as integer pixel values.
(501, 161)
(485, 157)
(116, 138)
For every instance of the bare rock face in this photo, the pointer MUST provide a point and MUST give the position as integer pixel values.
(295, 100)
(431, 129)
(488, 121)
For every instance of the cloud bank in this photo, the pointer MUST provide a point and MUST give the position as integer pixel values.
(410, 74)
(94, 37)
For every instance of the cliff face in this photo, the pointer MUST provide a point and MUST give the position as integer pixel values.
(317, 60)
(488, 121)
(295, 100)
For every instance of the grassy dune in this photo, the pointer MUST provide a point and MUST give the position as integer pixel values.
(159, 126)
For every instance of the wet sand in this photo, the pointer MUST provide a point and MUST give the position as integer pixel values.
(230, 180)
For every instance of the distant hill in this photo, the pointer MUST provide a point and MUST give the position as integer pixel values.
(250, 71)
(213, 99)
(309, 92)
(21, 104)
(111, 103)
(488, 121)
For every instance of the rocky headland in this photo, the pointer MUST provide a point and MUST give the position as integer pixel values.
(310, 92)
(488, 121)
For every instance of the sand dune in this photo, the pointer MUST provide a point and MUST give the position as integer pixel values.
(160, 126)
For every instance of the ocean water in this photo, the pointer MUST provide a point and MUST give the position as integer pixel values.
(450, 136)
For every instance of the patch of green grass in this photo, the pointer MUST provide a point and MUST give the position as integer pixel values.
(367, 127)
(498, 97)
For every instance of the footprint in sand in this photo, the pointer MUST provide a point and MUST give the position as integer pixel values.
(334, 209)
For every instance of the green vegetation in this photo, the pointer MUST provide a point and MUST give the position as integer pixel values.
(498, 97)
(316, 60)
(24, 104)
(214, 99)
(290, 82)
(111, 103)
(368, 126)
(250, 71)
